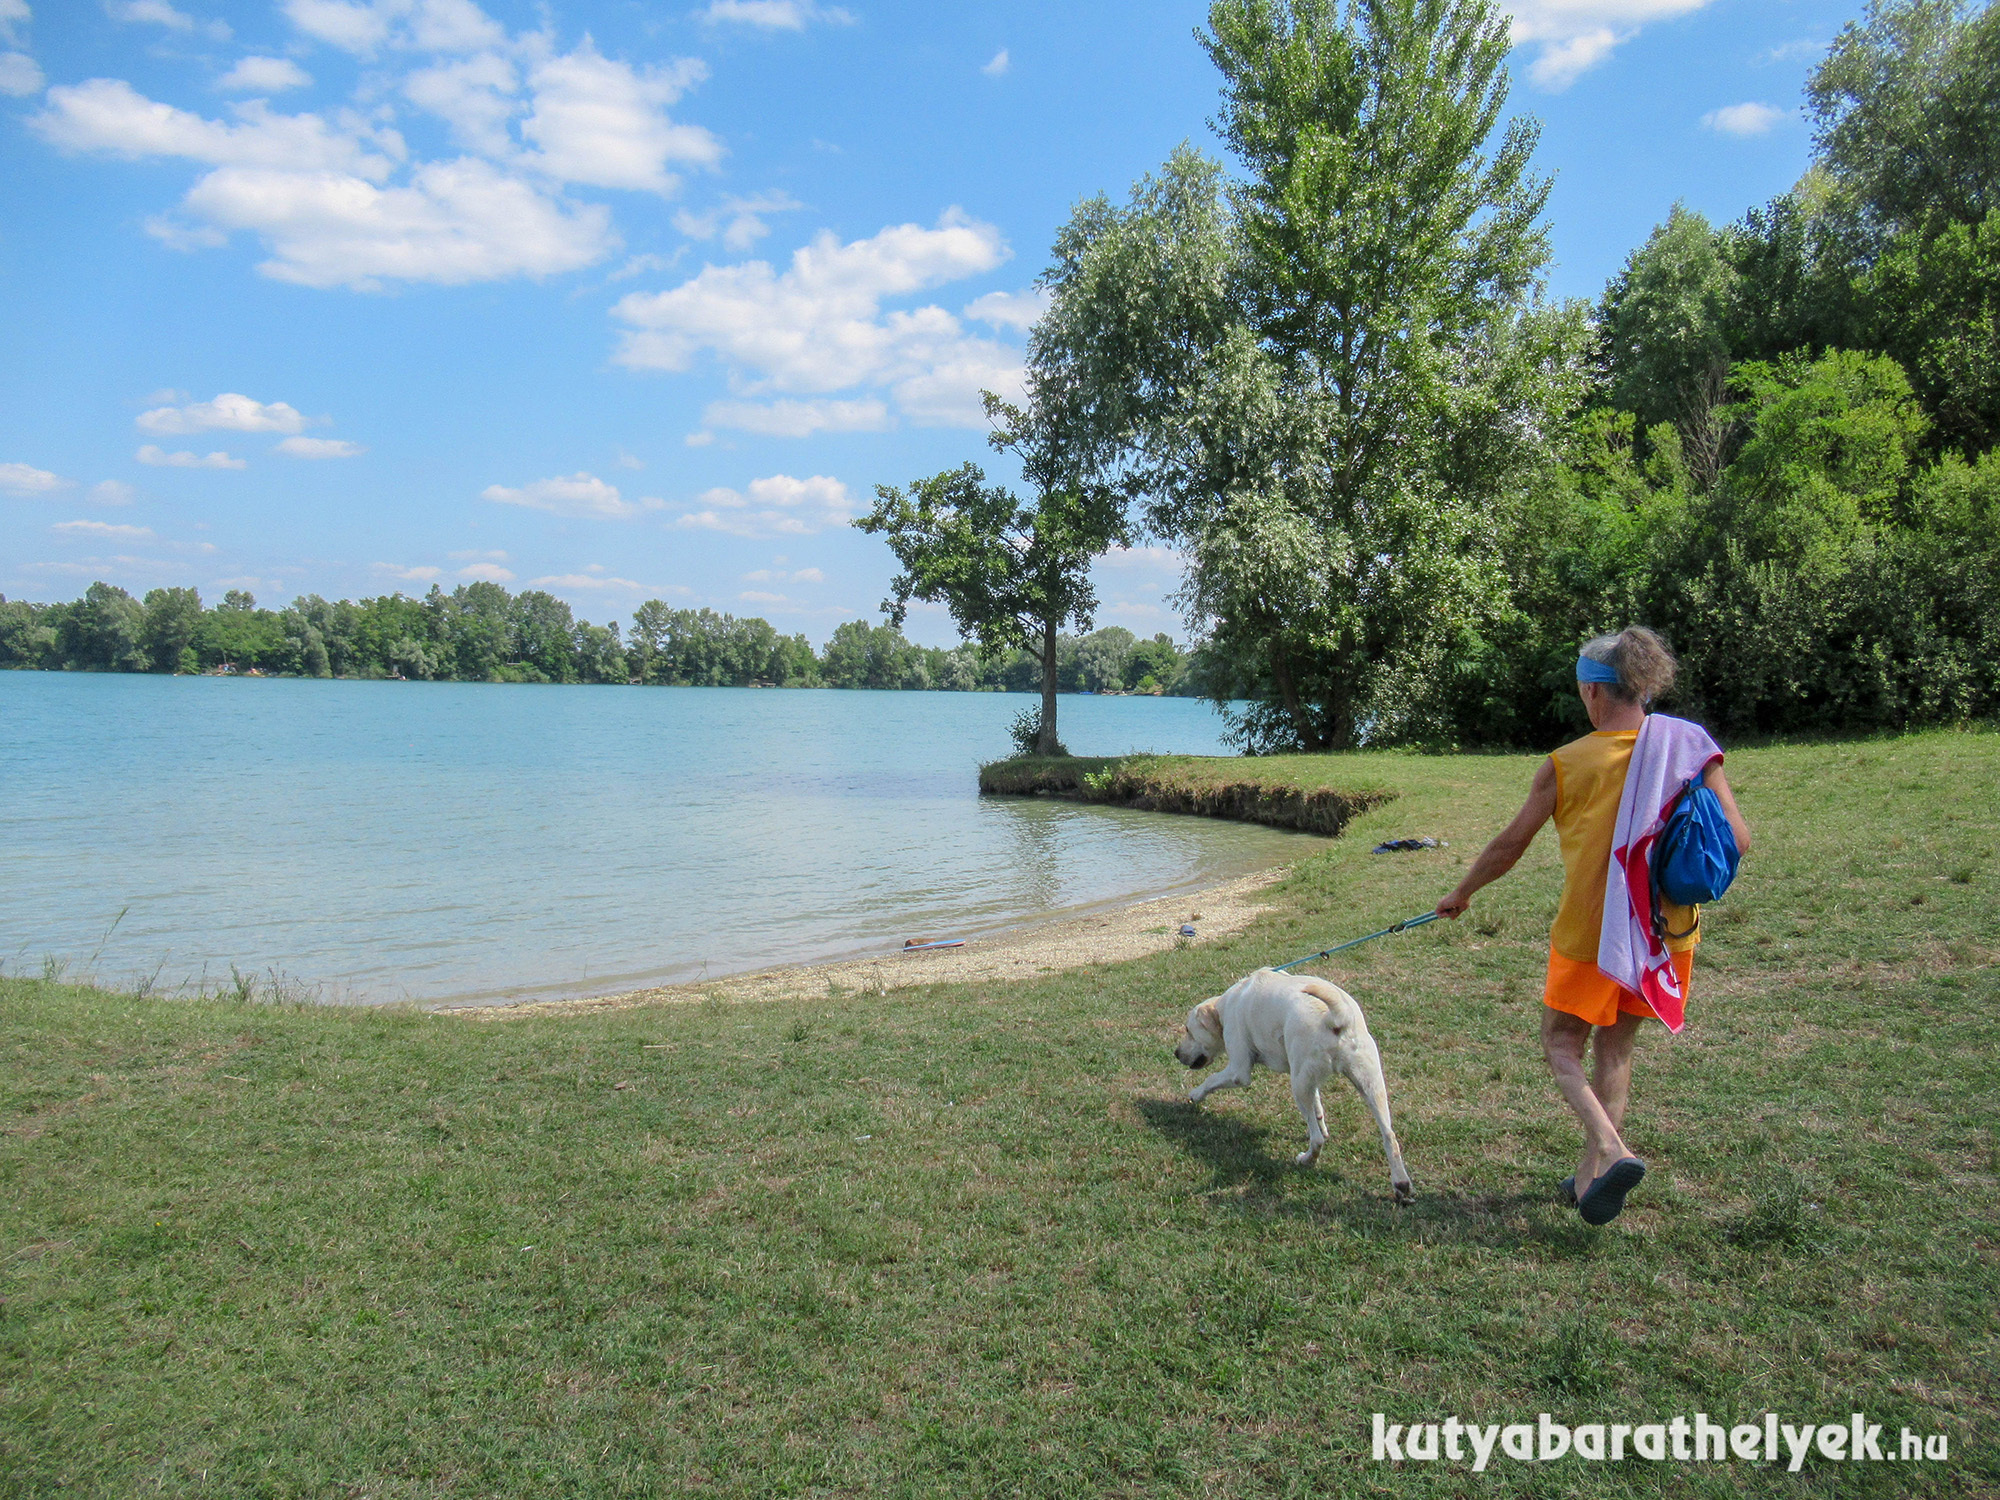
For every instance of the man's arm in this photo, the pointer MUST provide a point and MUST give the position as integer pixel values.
(1500, 856)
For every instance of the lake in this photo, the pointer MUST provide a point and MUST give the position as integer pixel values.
(473, 843)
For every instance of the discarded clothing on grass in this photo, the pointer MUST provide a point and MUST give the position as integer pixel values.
(1395, 844)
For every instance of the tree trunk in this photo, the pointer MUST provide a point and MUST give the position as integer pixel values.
(1281, 673)
(1704, 433)
(1046, 742)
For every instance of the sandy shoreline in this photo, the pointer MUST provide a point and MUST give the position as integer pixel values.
(1100, 936)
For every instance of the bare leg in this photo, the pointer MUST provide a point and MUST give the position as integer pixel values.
(1564, 1037)
(1611, 1065)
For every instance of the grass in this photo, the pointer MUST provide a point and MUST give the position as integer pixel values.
(974, 1242)
(1292, 795)
(1031, 775)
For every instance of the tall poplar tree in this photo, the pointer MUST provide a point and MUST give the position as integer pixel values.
(1323, 379)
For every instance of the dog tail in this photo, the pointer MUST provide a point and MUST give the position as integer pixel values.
(1338, 1005)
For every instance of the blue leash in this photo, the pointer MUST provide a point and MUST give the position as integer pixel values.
(1404, 926)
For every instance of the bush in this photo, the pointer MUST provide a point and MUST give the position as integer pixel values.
(1026, 730)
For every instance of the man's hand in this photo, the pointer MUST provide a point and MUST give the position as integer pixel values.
(1454, 906)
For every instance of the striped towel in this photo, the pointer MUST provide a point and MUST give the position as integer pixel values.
(1668, 753)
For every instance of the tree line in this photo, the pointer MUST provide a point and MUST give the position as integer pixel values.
(1408, 484)
(481, 633)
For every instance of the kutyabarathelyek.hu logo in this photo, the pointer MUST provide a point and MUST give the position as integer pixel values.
(1703, 1440)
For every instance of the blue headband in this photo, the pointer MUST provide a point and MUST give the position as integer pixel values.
(1589, 670)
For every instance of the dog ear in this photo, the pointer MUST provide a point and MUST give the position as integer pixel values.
(1211, 1015)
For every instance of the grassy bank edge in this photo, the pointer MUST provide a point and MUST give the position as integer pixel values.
(1276, 794)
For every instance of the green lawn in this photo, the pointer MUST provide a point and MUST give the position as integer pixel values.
(973, 1241)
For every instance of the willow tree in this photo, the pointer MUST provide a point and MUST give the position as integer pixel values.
(1906, 114)
(1321, 378)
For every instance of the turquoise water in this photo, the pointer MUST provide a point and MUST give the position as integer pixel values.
(382, 841)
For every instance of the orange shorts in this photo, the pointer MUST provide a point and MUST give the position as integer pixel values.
(1579, 988)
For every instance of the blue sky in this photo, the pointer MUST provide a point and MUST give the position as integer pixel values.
(631, 300)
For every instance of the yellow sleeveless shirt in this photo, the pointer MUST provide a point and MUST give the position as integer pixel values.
(1590, 778)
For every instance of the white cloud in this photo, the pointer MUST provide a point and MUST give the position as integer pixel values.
(111, 492)
(1140, 612)
(775, 506)
(1575, 35)
(264, 75)
(741, 220)
(408, 575)
(186, 238)
(779, 575)
(228, 412)
(19, 77)
(478, 555)
(819, 326)
(638, 265)
(597, 577)
(25, 479)
(456, 222)
(1142, 557)
(944, 392)
(149, 12)
(108, 114)
(776, 15)
(486, 573)
(798, 418)
(997, 65)
(1794, 51)
(475, 97)
(318, 190)
(305, 447)
(160, 459)
(355, 28)
(604, 123)
(417, 25)
(13, 13)
(1018, 310)
(122, 565)
(448, 25)
(101, 530)
(582, 496)
(1562, 63)
(1743, 119)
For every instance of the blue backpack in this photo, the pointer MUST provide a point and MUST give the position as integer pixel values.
(1695, 858)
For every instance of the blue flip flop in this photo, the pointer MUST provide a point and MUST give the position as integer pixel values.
(1606, 1198)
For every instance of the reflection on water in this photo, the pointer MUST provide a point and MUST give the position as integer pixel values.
(444, 841)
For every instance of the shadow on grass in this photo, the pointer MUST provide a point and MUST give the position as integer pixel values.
(1256, 1176)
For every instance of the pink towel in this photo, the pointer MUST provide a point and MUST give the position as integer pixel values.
(1668, 753)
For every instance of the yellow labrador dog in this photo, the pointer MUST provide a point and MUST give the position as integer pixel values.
(1302, 1026)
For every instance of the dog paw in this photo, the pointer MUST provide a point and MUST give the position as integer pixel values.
(1406, 1194)
(1305, 1158)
